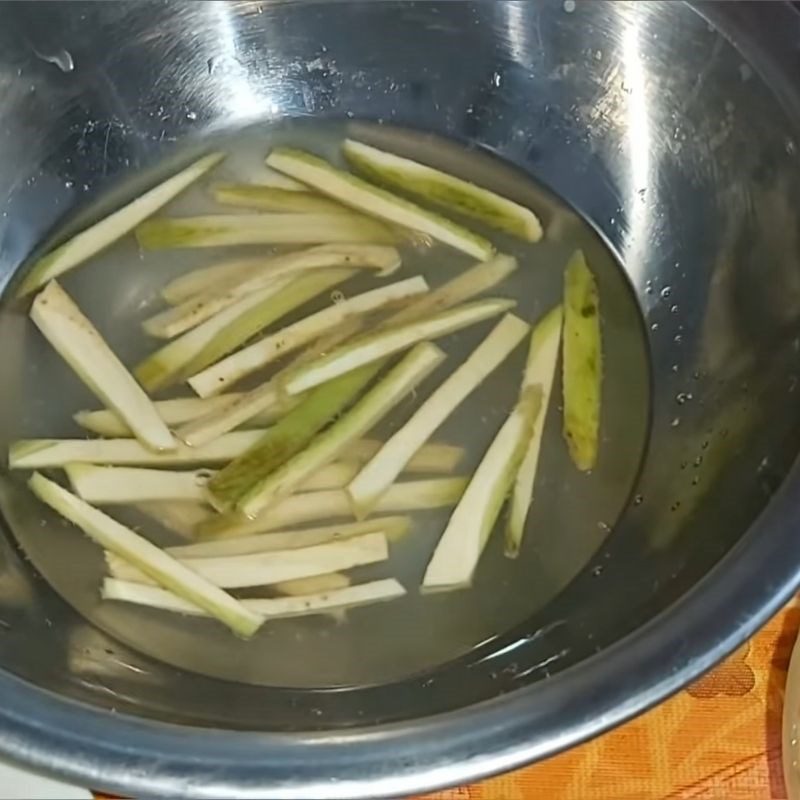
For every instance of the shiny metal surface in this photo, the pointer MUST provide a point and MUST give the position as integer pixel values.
(674, 130)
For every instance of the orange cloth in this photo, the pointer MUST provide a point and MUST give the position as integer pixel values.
(718, 740)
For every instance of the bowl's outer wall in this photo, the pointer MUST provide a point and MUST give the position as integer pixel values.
(678, 142)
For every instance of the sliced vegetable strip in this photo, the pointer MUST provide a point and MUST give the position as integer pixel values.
(126, 485)
(150, 560)
(289, 436)
(227, 330)
(269, 608)
(263, 569)
(273, 198)
(42, 453)
(97, 237)
(226, 230)
(359, 194)
(79, 343)
(312, 506)
(176, 320)
(176, 412)
(392, 527)
(540, 370)
(376, 477)
(448, 191)
(384, 343)
(583, 363)
(263, 352)
(468, 530)
(275, 272)
(366, 413)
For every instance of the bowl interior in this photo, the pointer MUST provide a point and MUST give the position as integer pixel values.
(652, 142)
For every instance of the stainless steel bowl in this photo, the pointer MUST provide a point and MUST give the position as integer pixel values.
(674, 130)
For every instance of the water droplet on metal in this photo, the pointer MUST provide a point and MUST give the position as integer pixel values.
(675, 422)
(654, 326)
(569, 6)
(638, 500)
(666, 292)
(597, 571)
(192, 115)
(683, 397)
(674, 309)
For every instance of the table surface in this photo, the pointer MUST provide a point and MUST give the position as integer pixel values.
(718, 740)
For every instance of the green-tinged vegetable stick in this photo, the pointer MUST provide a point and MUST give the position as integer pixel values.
(228, 230)
(97, 237)
(152, 561)
(366, 413)
(446, 190)
(583, 363)
(359, 194)
(465, 537)
(540, 370)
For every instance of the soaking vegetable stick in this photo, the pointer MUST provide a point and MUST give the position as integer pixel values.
(43, 453)
(376, 477)
(79, 343)
(275, 272)
(468, 530)
(192, 283)
(366, 413)
(263, 569)
(272, 198)
(269, 608)
(150, 560)
(126, 485)
(178, 411)
(359, 194)
(446, 190)
(422, 495)
(392, 527)
(225, 331)
(97, 237)
(583, 363)
(236, 366)
(289, 436)
(383, 343)
(176, 320)
(540, 370)
(227, 230)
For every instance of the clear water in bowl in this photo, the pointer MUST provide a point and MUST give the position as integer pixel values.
(573, 513)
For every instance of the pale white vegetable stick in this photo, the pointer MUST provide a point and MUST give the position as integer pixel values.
(276, 272)
(269, 608)
(372, 347)
(175, 412)
(382, 470)
(176, 516)
(541, 371)
(392, 527)
(236, 366)
(312, 506)
(79, 343)
(468, 530)
(151, 561)
(125, 485)
(313, 585)
(263, 569)
(42, 453)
